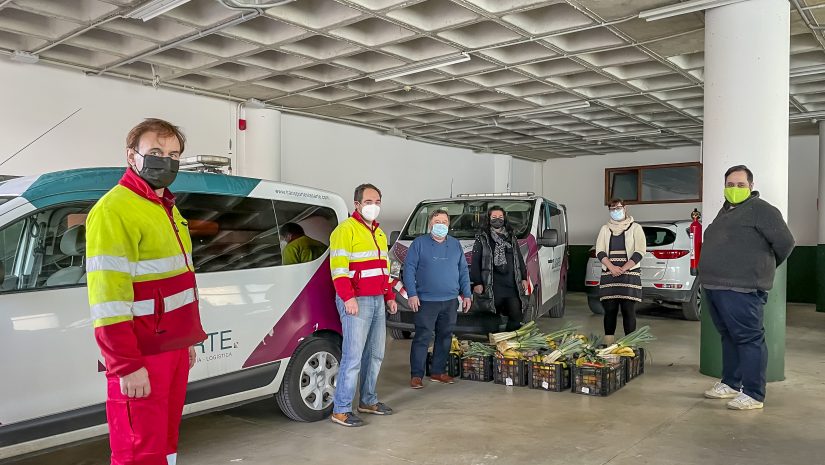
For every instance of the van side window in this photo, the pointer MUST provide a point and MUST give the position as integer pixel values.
(553, 218)
(307, 227)
(45, 249)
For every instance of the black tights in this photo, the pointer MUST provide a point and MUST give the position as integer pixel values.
(511, 308)
(611, 313)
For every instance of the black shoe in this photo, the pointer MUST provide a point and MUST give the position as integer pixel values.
(347, 419)
(377, 409)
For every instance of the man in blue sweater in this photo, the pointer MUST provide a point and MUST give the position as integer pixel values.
(435, 275)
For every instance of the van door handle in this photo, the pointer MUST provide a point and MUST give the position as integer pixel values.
(551, 260)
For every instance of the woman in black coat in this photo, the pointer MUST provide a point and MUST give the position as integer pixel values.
(498, 272)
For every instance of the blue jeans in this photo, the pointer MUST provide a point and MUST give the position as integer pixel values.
(739, 319)
(362, 352)
(438, 317)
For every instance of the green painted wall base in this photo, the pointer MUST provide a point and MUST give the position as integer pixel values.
(819, 271)
(710, 354)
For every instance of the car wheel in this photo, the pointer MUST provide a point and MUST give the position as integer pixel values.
(557, 311)
(692, 309)
(595, 305)
(308, 387)
(398, 333)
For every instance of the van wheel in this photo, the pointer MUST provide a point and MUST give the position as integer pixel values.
(557, 311)
(308, 387)
(595, 305)
(692, 309)
(398, 333)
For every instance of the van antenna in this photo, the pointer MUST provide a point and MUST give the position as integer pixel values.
(40, 136)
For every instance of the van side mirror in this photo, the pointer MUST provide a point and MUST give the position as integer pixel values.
(549, 238)
(394, 237)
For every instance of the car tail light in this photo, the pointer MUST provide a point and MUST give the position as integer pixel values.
(591, 283)
(593, 253)
(669, 254)
(668, 286)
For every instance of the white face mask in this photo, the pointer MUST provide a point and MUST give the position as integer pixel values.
(370, 212)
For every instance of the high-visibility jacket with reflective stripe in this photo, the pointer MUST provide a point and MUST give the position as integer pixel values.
(359, 260)
(141, 279)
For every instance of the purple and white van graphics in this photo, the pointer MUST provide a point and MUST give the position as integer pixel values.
(541, 228)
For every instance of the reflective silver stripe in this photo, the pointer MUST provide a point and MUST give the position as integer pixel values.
(340, 272)
(111, 309)
(108, 263)
(363, 255)
(372, 273)
(160, 265)
(173, 302)
(338, 253)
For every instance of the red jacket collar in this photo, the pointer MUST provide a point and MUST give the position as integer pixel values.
(357, 216)
(136, 184)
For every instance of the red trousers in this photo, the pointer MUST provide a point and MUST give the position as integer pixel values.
(144, 431)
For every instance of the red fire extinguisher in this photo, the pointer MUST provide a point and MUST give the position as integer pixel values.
(695, 233)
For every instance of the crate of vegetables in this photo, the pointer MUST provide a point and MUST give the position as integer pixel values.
(453, 365)
(477, 362)
(598, 379)
(553, 376)
(509, 371)
(635, 366)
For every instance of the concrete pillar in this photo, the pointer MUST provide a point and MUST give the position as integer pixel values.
(820, 248)
(259, 146)
(746, 122)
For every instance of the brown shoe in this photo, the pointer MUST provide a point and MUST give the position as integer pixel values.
(443, 379)
(417, 383)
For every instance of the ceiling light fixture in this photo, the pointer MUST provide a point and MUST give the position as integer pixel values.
(683, 9)
(548, 109)
(422, 66)
(153, 9)
(623, 135)
(807, 70)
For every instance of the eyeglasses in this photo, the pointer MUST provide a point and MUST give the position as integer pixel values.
(159, 153)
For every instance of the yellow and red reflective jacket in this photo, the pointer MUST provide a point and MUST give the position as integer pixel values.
(359, 261)
(141, 278)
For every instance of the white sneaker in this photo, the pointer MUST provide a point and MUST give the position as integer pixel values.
(721, 390)
(745, 402)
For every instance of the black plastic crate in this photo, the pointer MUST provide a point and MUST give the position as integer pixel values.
(599, 381)
(548, 376)
(453, 365)
(635, 366)
(477, 368)
(509, 371)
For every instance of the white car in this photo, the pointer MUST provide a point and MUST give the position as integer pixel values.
(272, 329)
(666, 277)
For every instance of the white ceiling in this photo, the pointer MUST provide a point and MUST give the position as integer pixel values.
(315, 56)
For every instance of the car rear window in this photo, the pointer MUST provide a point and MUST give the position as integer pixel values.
(658, 237)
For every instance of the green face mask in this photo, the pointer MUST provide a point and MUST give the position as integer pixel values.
(737, 195)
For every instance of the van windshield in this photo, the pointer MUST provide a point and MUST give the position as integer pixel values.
(4, 199)
(466, 217)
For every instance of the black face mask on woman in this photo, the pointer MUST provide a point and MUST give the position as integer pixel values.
(158, 172)
(497, 223)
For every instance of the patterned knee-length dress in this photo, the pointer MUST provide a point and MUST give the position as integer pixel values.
(627, 286)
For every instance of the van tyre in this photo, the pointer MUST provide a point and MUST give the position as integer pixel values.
(595, 305)
(308, 386)
(398, 333)
(692, 309)
(557, 311)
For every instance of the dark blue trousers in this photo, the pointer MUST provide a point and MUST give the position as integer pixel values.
(739, 319)
(438, 318)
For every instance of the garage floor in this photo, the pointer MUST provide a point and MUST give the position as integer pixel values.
(661, 418)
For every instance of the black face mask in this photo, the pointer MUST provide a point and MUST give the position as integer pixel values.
(159, 172)
(497, 223)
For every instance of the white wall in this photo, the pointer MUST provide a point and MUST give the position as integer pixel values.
(33, 98)
(526, 176)
(579, 184)
(338, 157)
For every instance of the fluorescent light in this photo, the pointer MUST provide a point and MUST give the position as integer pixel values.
(21, 56)
(549, 109)
(807, 70)
(683, 9)
(153, 8)
(422, 66)
(624, 135)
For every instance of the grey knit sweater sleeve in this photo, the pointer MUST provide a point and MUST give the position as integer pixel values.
(776, 231)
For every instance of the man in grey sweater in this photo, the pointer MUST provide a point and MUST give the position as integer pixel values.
(742, 248)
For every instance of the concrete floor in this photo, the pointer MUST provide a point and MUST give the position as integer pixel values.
(660, 418)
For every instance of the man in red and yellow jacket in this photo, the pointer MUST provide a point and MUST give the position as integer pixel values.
(361, 274)
(143, 298)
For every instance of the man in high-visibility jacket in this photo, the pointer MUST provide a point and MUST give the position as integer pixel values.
(144, 299)
(361, 274)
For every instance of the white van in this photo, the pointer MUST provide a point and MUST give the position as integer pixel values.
(272, 329)
(541, 228)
